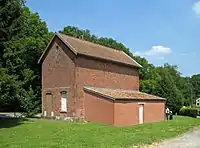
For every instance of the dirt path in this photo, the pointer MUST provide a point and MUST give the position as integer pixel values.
(188, 140)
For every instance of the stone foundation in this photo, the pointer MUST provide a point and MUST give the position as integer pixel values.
(64, 118)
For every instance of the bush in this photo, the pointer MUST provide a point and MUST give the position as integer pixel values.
(30, 103)
(189, 111)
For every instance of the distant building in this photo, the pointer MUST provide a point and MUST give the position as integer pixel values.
(198, 102)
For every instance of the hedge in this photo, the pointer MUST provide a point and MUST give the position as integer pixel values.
(189, 111)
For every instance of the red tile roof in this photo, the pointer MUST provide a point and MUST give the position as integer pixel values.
(116, 94)
(86, 48)
(95, 50)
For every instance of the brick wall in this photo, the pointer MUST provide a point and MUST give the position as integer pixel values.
(58, 70)
(63, 71)
(98, 110)
(95, 73)
(154, 111)
(121, 113)
(126, 113)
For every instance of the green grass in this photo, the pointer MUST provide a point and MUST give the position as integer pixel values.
(60, 134)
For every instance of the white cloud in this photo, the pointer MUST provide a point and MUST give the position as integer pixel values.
(196, 8)
(158, 51)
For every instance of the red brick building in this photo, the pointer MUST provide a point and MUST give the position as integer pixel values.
(87, 81)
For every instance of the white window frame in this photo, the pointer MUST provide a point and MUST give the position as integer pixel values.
(63, 101)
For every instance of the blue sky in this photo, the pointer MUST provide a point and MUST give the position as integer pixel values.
(159, 30)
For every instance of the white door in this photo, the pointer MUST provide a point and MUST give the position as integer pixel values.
(141, 113)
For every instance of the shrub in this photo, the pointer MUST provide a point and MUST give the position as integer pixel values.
(29, 103)
(189, 111)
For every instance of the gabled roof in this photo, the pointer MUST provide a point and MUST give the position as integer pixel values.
(120, 94)
(82, 47)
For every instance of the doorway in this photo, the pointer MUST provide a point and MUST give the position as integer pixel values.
(141, 113)
(49, 102)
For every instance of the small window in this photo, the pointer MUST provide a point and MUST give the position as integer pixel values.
(64, 101)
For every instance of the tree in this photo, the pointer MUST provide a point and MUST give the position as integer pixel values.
(195, 80)
(8, 89)
(187, 90)
(147, 69)
(166, 87)
(148, 86)
(20, 56)
(11, 22)
(30, 102)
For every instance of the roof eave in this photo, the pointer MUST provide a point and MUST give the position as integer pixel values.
(44, 52)
(140, 66)
(151, 99)
(108, 60)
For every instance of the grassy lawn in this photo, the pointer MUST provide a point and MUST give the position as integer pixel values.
(60, 134)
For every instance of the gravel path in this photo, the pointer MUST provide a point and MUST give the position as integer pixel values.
(188, 140)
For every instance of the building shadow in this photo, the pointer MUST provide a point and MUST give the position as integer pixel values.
(11, 122)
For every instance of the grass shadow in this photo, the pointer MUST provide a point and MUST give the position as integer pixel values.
(11, 122)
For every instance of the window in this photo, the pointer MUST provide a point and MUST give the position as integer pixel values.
(64, 101)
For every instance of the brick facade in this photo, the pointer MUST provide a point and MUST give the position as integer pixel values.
(155, 111)
(58, 71)
(63, 70)
(127, 112)
(101, 113)
(96, 73)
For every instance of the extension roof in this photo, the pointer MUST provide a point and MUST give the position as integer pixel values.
(121, 94)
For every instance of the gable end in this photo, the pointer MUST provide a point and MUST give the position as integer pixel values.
(49, 45)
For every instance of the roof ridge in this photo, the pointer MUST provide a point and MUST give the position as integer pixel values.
(96, 44)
